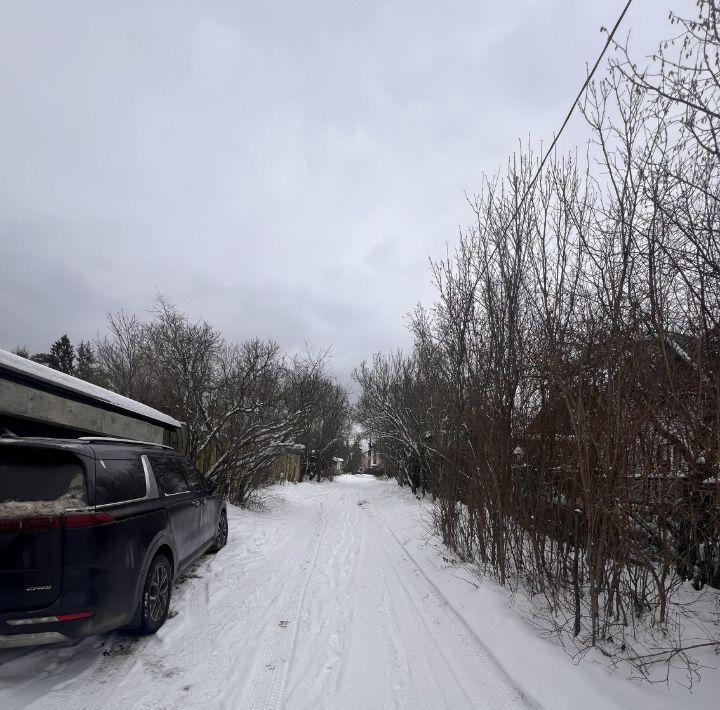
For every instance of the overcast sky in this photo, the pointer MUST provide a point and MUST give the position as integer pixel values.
(281, 169)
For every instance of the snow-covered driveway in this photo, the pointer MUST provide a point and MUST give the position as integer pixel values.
(315, 603)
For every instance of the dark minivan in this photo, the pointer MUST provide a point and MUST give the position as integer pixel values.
(92, 533)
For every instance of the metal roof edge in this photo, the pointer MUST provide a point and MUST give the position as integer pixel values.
(46, 375)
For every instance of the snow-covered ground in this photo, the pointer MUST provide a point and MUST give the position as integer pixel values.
(334, 597)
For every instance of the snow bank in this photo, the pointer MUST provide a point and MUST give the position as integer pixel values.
(504, 625)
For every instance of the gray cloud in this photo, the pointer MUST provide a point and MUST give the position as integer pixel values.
(280, 169)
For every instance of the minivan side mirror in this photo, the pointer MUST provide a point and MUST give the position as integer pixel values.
(211, 486)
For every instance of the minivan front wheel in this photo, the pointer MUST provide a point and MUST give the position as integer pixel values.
(155, 602)
(221, 533)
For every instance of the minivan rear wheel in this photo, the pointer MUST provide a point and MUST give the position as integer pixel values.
(155, 602)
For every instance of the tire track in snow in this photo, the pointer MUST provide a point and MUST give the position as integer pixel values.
(482, 680)
(493, 674)
(347, 575)
(266, 683)
(317, 673)
(414, 626)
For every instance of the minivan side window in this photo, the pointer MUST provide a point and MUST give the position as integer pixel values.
(169, 474)
(195, 478)
(117, 481)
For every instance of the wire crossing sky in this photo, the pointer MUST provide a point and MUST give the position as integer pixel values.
(556, 138)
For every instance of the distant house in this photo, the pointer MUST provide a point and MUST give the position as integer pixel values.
(38, 401)
(666, 438)
(371, 461)
(338, 462)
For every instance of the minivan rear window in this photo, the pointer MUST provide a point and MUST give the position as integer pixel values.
(117, 481)
(40, 482)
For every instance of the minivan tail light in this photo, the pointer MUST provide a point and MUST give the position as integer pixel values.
(86, 520)
(75, 617)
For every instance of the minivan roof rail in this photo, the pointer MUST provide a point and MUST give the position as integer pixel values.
(115, 440)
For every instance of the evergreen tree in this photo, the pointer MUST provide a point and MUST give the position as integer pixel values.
(85, 367)
(62, 355)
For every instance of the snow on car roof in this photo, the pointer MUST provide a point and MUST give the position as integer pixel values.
(36, 371)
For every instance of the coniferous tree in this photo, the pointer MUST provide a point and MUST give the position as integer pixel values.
(62, 355)
(85, 367)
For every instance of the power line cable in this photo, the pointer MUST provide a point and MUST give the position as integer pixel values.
(570, 112)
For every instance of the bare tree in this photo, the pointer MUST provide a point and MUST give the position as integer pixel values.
(122, 356)
(243, 405)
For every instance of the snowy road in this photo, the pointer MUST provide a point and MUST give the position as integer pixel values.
(315, 604)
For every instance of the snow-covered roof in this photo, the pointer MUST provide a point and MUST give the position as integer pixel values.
(41, 373)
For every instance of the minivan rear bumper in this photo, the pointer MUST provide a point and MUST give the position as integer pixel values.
(43, 628)
(37, 639)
